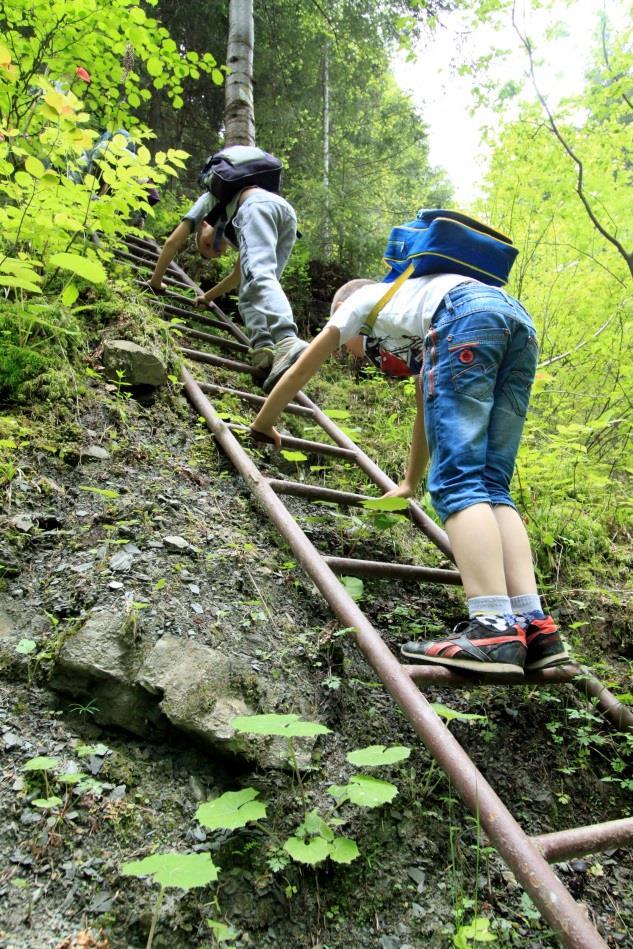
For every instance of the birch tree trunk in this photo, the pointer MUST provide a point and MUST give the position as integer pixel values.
(327, 236)
(239, 111)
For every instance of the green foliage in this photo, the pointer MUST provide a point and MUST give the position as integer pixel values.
(231, 810)
(377, 755)
(52, 201)
(364, 791)
(314, 841)
(185, 871)
(285, 726)
(450, 714)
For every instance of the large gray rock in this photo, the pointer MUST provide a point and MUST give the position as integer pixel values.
(202, 692)
(142, 687)
(137, 365)
(100, 661)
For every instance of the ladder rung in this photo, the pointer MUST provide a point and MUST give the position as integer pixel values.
(315, 448)
(212, 339)
(211, 360)
(291, 408)
(299, 490)
(199, 316)
(440, 675)
(578, 841)
(395, 571)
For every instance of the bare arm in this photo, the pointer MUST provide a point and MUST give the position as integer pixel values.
(419, 454)
(177, 239)
(308, 363)
(228, 283)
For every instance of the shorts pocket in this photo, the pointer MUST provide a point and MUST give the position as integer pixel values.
(474, 359)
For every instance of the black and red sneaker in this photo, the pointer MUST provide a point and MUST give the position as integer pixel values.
(544, 645)
(474, 646)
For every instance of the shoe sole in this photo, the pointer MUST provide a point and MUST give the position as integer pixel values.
(471, 665)
(558, 659)
(270, 384)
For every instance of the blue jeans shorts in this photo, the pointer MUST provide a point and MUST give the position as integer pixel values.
(480, 358)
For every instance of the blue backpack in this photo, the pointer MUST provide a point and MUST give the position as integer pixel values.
(441, 241)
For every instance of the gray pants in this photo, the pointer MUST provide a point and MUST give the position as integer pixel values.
(266, 229)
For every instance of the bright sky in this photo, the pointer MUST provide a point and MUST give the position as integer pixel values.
(444, 96)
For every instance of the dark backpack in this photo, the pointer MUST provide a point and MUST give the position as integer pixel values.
(231, 170)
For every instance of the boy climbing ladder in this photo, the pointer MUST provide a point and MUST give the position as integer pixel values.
(250, 215)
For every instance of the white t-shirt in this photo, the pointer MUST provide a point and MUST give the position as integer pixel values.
(404, 321)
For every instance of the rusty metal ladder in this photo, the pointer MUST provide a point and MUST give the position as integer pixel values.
(526, 856)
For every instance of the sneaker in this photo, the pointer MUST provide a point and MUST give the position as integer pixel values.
(286, 354)
(262, 358)
(476, 647)
(544, 645)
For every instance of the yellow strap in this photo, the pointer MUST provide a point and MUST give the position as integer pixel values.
(384, 300)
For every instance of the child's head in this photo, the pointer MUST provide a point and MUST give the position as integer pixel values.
(205, 242)
(356, 344)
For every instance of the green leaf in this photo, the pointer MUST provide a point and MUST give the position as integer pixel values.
(222, 932)
(386, 504)
(314, 851)
(104, 492)
(182, 870)
(20, 283)
(375, 755)
(476, 931)
(26, 646)
(70, 777)
(70, 294)
(154, 66)
(34, 166)
(315, 826)
(89, 269)
(287, 726)
(40, 764)
(449, 714)
(230, 810)
(365, 791)
(294, 456)
(337, 413)
(343, 850)
(47, 803)
(354, 586)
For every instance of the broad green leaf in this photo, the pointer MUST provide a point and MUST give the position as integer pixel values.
(337, 413)
(294, 456)
(221, 931)
(104, 492)
(182, 870)
(154, 66)
(311, 852)
(476, 931)
(26, 646)
(287, 726)
(89, 269)
(375, 755)
(40, 764)
(386, 504)
(232, 809)
(449, 714)
(314, 825)
(343, 850)
(365, 791)
(70, 777)
(47, 803)
(70, 294)
(354, 586)
(34, 166)
(20, 283)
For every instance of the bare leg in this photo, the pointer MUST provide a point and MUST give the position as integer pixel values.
(517, 553)
(476, 541)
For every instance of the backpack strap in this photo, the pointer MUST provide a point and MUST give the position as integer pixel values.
(368, 325)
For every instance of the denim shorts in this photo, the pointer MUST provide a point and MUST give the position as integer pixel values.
(480, 358)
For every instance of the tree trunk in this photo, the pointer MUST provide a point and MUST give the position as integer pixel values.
(239, 111)
(327, 236)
